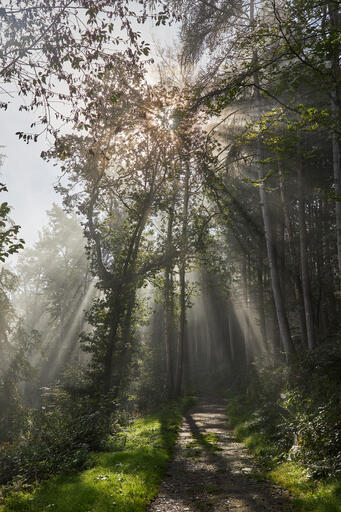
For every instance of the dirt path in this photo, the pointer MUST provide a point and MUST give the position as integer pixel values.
(211, 471)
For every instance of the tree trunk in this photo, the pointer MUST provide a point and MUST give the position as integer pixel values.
(245, 311)
(304, 263)
(231, 333)
(274, 271)
(182, 342)
(295, 272)
(169, 306)
(122, 304)
(337, 185)
(107, 374)
(261, 306)
(334, 17)
(126, 349)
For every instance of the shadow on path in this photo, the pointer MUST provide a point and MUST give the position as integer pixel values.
(210, 470)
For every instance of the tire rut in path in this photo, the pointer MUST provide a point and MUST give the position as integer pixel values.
(206, 478)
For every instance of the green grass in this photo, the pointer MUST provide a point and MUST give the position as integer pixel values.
(256, 442)
(207, 442)
(309, 495)
(118, 481)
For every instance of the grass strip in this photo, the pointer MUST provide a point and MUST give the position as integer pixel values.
(309, 494)
(118, 481)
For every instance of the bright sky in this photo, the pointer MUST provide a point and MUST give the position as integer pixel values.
(28, 178)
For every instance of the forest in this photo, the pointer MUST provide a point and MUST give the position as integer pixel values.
(191, 272)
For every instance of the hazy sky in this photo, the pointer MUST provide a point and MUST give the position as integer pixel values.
(29, 179)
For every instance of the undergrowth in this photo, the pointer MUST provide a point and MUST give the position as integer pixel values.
(289, 420)
(123, 479)
(309, 494)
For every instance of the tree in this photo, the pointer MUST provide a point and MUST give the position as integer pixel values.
(9, 241)
(55, 290)
(120, 170)
(47, 50)
(281, 60)
(16, 345)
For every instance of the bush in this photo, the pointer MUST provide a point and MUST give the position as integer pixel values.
(58, 438)
(298, 410)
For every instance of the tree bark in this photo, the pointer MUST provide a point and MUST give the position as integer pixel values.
(169, 305)
(245, 311)
(121, 296)
(334, 19)
(182, 342)
(337, 185)
(125, 354)
(274, 271)
(230, 317)
(295, 272)
(261, 306)
(304, 264)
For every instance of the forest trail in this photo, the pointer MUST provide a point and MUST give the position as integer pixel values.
(212, 472)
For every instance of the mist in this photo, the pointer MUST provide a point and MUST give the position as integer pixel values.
(170, 232)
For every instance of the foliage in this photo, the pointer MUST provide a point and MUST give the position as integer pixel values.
(150, 387)
(16, 344)
(285, 414)
(16, 370)
(122, 178)
(57, 436)
(9, 241)
(125, 479)
(46, 44)
(294, 433)
(8, 284)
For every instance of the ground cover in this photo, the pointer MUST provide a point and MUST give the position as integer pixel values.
(309, 494)
(124, 479)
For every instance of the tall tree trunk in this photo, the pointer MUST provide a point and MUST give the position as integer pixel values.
(271, 252)
(270, 245)
(337, 185)
(274, 273)
(245, 311)
(230, 317)
(334, 18)
(304, 263)
(121, 302)
(279, 231)
(295, 273)
(169, 305)
(126, 350)
(261, 306)
(111, 344)
(182, 342)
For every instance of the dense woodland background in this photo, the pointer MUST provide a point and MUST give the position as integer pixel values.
(199, 247)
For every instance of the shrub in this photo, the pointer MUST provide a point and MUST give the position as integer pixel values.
(297, 409)
(58, 438)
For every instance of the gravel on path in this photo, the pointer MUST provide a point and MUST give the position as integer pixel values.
(212, 472)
